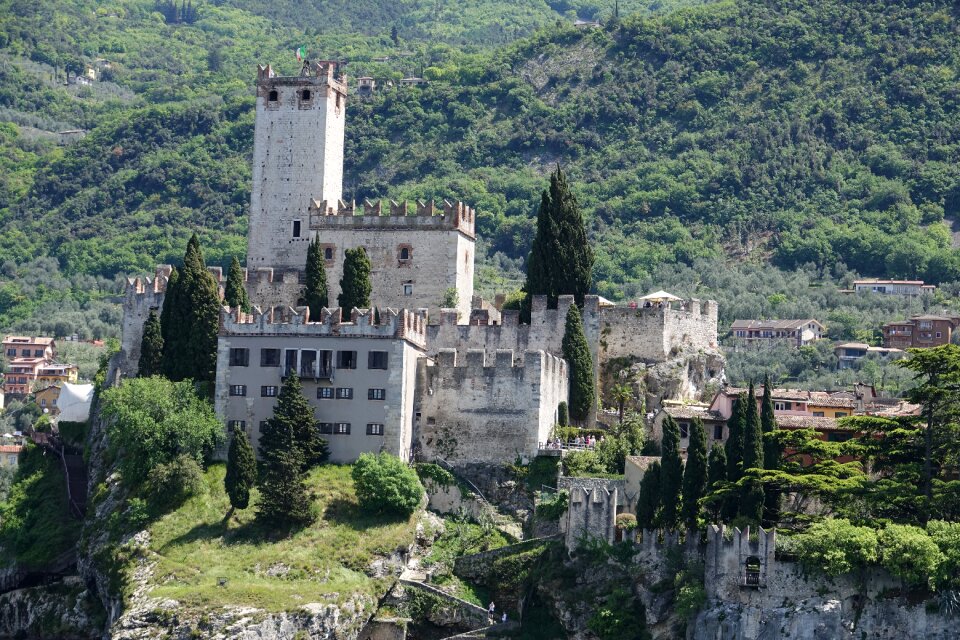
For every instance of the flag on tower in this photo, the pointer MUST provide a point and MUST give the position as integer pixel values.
(301, 53)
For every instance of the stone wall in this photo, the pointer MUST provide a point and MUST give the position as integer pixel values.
(142, 296)
(478, 566)
(487, 410)
(269, 288)
(593, 509)
(656, 334)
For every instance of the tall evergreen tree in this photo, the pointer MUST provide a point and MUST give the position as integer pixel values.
(241, 474)
(561, 258)
(733, 450)
(167, 317)
(694, 475)
(190, 343)
(716, 473)
(577, 354)
(355, 285)
(671, 474)
(751, 500)
(284, 499)
(315, 289)
(151, 348)
(649, 497)
(234, 292)
(772, 455)
(292, 407)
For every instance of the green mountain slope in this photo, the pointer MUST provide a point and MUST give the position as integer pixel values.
(799, 132)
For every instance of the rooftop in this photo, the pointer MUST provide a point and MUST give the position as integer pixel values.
(865, 281)
(689, 412)
(807, 422)
(28, 340)
(772, 324)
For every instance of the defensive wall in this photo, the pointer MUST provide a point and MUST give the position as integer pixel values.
(592, 510)
(655, 334)
(480, 409)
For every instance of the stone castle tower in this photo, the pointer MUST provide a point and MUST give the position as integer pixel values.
(297, 158)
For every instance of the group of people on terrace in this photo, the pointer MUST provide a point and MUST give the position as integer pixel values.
(579, 442)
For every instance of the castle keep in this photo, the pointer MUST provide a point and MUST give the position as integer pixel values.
(412, 378)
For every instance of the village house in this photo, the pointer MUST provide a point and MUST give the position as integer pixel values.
(850, 354)
(10, 447)
(21, 375)
(892, 287)
(53, 373)
(29, 347)
(714, 423)
(795, 332)
(919, 332)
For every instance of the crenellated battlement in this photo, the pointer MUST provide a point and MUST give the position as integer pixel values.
(477, 363)
(393, 323)
(739, 560)
(373, 215)
(319, 73)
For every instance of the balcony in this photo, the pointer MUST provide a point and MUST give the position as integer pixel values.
(311, 373)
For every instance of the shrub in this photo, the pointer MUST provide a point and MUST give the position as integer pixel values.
(440, 476)
(170, 484)
(385, 484)
(909, 553)
(946, 535)
(554, 507)
(626, 522)
(835, 546)
(582, 464)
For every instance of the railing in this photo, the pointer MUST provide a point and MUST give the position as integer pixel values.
(751, 580)
(311, 373)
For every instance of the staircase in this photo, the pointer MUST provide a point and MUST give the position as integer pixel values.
(74, 471)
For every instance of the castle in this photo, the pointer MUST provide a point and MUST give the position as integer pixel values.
(463, 384)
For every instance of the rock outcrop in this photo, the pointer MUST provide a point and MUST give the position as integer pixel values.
(65, 610)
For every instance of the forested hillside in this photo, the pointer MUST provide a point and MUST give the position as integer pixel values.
(795, 132)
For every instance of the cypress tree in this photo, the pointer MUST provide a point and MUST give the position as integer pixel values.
(751, 501)
(190, 344)
(577, 354)
(733, 450)
(284, 499)
(561, 258)
(151, 348)
(694, 475)
(772, 455)
(671, 474)
(293, 408)
(355, 284)
(717, 473)
(168, 321)
(315, 290)
(241, 471)
(234, 292)
(648, 498)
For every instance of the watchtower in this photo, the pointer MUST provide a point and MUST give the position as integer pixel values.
(297, 158)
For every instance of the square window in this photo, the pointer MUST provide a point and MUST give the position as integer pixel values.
(374, 429)
(341, 428)
(377, 360)
(840, 414)
(344, 393)
(38, 353)
(237, 425)
(818, 414)
(326, 427)
(324, 393)
(26, 353)
(269, 357)
(268, 392)
(939, 334)
(408, 288)
(239, 357)
(238, 390)
(376, 394)
(347, 359)
(11, 352)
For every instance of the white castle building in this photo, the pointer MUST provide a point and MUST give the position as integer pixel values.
(465, 385)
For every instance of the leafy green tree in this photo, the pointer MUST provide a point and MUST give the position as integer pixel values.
(577, 354)
(355, 284)
(241, 474)
(315, 289)
(561, 258)
(386, 484)
(151, 347)
(234, 292)
(649, 498)
(752, 498)
(909, 553)
(671, 474)
(716, 475)
(284, 498)
(694, 476)
(152, 421)
(834, 546)
(190, 339)
(168, 485)
(451, 298)
(772, 455)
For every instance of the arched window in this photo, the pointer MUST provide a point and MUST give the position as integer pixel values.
(405, 253)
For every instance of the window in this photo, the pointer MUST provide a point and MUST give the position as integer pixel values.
(38, 353)
(374, 429)
(818, 414)
(781, 406)
(344, 393)
(377, 360)
(684, 429)
(26, 353)
(273, 96)
(408, 288)
(43, 402)
(268, 392)
(341, 428)
(376, 394)
(328, 254)
(239, 357)
(296, 228)
(269, 357)
(718, 432)
(939, 335)
(237, 425)
(305, 95)
(238, 389)
(324, 393)
(347, 359)
(308, 364)
(290, 361)
(840, 414)
(405, 253)
(326, 427)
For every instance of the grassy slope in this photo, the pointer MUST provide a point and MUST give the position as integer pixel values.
(328, 560)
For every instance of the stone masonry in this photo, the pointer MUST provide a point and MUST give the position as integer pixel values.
(592, 510)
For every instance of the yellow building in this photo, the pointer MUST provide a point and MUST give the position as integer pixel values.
(50, 374)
